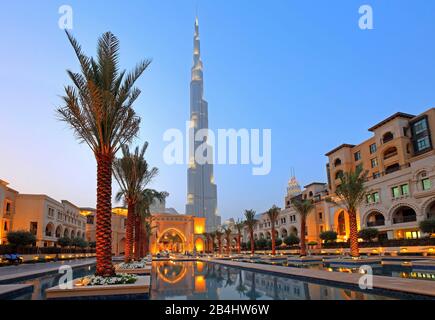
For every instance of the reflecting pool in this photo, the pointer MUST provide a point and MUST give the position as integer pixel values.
(198, 280)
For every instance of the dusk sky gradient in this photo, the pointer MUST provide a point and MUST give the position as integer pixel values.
(301, 68)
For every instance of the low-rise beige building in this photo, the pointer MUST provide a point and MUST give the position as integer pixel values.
(400, 160)
(7, 209)
(47, 218)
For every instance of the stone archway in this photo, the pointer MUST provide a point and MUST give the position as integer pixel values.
(171, 240)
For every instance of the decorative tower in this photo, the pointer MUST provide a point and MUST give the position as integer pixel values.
(201, 189)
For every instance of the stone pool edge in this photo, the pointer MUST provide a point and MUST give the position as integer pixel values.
(407, 286)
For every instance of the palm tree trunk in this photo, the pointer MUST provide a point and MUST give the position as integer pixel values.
(228, 246)
(354, 248)
(303, 246)
(238, 243)
(220, 245)
(137, 239)
(252, 241)
(273, 238)
(104, 216)
(129, 233)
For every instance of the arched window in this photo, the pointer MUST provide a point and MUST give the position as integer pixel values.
(404, 214)
(431, 211)
(310, 194)
(337, 162)
(387, 137)
(390, 152)
(338, 174)
(58, 231)
(375, 219)
(49, 230)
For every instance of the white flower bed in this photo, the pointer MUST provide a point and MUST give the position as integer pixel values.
(105, 281)
(131, 265)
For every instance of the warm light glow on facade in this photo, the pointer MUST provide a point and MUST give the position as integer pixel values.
(120, 211)
(199, 245)
(199, 225)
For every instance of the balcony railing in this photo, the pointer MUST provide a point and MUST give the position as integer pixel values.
(404, 219)
(375, 223)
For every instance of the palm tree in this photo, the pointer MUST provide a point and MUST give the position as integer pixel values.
(219, 235)
(99, 109)
(352, 192)
(239, 226)
(143, 217)
(228, 232)
(208, 242)
(250, 224)
(213, 241)
(303, 208)
(132, 174)
(273, 214)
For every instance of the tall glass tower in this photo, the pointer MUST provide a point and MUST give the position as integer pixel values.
(201, 189)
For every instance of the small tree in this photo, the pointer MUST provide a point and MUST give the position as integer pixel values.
(92, 244)
(79, 243)
(428, 226)
(292, 240)
(19, 239)
(328, 236)
(64, 242)
(278, 242)
(368, 234)
(261, 244)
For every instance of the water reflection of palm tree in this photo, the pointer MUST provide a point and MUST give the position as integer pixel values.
(219, 277)
(241, 288)
(253, 294)
(229, 281)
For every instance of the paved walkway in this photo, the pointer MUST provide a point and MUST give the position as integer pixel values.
(419, 287)
(10, 273)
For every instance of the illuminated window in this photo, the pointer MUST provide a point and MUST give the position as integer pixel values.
(412, 235)
(405, 189)
(426, 184)
(374, 162)
(376, 197)
(395, 192)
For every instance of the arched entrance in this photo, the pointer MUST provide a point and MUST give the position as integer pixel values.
(341, 224)
(171, 241)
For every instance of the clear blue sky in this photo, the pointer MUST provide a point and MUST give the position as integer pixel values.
(302, 68)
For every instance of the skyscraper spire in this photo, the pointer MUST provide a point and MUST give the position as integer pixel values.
(197, 63)
(201, 189)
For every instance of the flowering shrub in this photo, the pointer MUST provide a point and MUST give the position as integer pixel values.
(131, 265)
(101, 281)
